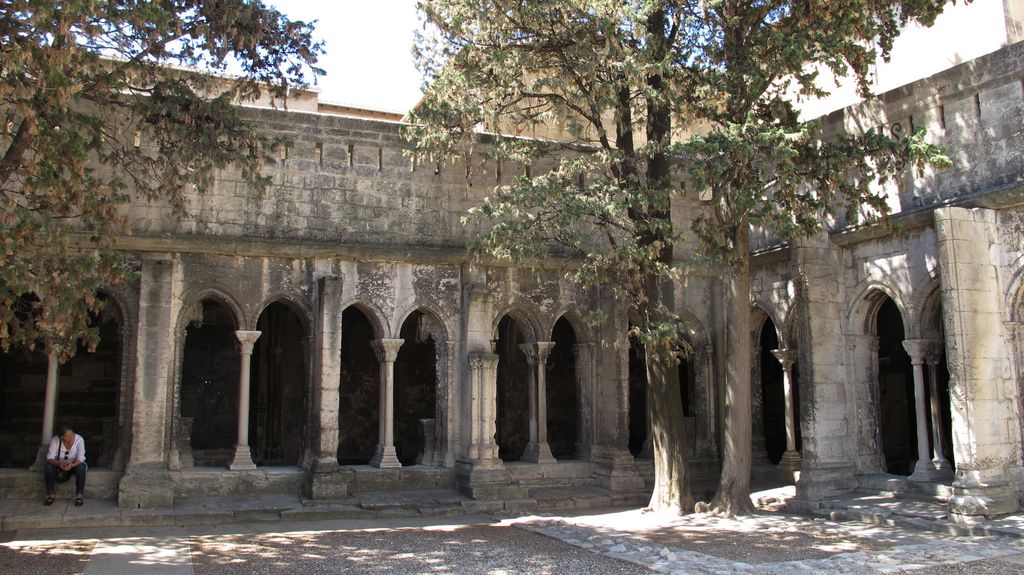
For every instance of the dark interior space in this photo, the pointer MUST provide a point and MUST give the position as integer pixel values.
(513, 421)
(277, 410)
(896, 392)
(562, 392)
(415, 387)
(359, 396)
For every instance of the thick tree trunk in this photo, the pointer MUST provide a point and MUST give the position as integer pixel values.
(671, 477)
(733, 495)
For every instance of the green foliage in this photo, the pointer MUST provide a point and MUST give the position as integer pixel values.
(104, 100)
(657, 104)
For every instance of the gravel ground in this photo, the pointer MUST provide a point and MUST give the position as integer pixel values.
(763, 547)
(68, 558)
(477, 549)
(988, 567)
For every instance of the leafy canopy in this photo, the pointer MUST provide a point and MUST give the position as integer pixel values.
(658, 104)
(103, 99)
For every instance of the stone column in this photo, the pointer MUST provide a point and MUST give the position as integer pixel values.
(791, 458)
(242, 460)
(49, 408)
(326, 375)
(538, 450)
(387, 352)
(916, 348)
(584, 354)
(983, 392)
(146, 482)
(940, 465)
(483, 381)
(829, 444)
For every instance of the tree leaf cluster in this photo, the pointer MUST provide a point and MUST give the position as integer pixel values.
(102, 101)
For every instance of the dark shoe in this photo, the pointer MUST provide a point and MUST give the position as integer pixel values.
(79, 501)
(48, 501)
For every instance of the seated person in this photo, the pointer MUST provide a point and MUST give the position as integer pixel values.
(64, 458)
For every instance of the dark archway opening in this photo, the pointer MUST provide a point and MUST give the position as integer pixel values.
(773, 398)
(89, 388)
(22, 390)
(277, 410)
(513, 421)
(209, 383)
(687, 386)
(637, 397)
(563, 392)
(896, 392)
(415, 388)
(359, 393)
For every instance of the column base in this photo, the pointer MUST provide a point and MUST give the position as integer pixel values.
(969, 505)
(145, 489)
(538, 453)
(821, 481)
(925, 470)
(385, 458)
(791, 461)
(40, 463)
(242, 460)
(325, 479)
(486, 483)
(615, 469)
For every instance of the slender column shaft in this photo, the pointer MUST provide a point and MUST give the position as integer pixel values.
(49, 409)
(538, 450)
(787, 390)
(917, 348)
(939, 460)
(387, 353)
(243, 455)
(50, 399)
(791, 459)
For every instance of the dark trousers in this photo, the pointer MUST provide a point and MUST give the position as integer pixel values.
(55, 475)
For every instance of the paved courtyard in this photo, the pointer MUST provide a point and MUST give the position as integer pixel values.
(600, 542)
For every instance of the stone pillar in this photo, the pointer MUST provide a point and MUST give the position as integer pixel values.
(917, 348)
(941, 469)
(49, 408)
(538, 450)
(242, 460)
(584, 355)
(387, 352)
(983, 393)
(483, 381)
(323, 480)
(614, 466)
(791, 458)
(829, 402)
(146, 482)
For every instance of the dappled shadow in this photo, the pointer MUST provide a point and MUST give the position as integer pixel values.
(756, 539)
(39, 557)
(442, 549)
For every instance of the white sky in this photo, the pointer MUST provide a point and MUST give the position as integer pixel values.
(369, 50)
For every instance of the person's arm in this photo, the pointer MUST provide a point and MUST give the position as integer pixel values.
(51, 452)
(81, 452)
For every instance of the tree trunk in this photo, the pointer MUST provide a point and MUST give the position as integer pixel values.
(671, 480)
(733, 495)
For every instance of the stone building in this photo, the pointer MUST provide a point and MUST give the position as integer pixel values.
(332, 336)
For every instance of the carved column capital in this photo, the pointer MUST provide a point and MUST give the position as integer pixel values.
(918, 349)
(387, 349)
(483, 360)
(247, 339)
(537, 352)
(786, 356)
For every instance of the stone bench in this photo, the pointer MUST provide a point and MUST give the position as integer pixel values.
(25, 484)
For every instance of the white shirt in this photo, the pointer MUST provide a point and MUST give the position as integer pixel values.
(58, 451)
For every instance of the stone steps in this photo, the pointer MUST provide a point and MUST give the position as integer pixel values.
(883, 499)
(31, 514)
